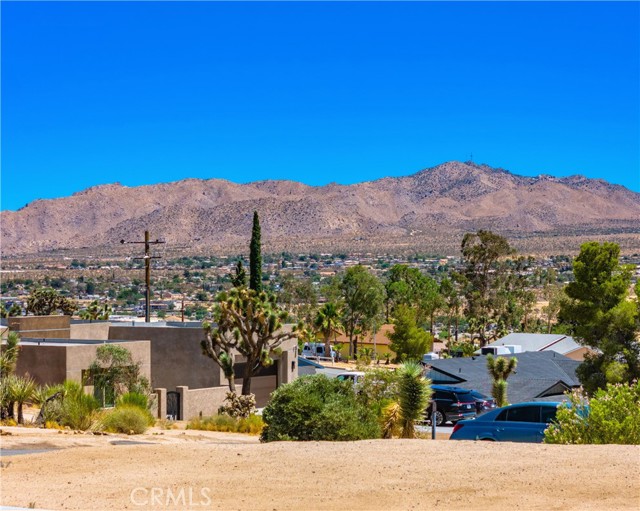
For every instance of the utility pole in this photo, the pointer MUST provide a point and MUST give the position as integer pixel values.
(147, 270)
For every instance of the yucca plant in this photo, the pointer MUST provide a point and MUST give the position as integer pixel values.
(5, 397)
(9, 354)
(414, 394)
(21, 390)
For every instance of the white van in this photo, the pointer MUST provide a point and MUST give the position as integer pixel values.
(317, 350)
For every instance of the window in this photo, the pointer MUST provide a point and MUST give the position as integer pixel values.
(502, 416)
(524, 414)
(464, 397)
(548, 414)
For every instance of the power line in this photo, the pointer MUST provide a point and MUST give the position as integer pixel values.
(147, 270)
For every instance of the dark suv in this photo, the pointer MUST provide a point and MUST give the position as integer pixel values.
(453, 404)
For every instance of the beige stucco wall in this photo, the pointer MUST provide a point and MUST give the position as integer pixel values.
(81, 356)
(204, 402)
(44, 327)
(46, 364)
(262, 387)
(176, 356)
(94, 331)
(54, 361)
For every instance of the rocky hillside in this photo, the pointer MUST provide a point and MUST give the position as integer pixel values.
(437, 203)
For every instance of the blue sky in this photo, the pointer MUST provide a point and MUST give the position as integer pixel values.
(150, 92)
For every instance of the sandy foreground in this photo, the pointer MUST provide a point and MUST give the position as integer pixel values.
(206, 470)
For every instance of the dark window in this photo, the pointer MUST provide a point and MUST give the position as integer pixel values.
(444, 396)
(548, 414)
(464, 397)
(477, 395)
(502, 416)
(524, 414)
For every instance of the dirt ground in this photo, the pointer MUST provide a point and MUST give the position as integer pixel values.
(195, 470)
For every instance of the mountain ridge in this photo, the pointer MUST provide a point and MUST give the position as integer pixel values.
(445, 200)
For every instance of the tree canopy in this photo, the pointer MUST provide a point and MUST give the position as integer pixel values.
(485, 285)
(363, 296)
(598, 313)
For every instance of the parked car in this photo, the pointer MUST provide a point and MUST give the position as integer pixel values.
(483, 403)
(453, 404)
(524, 422)
(355, 377)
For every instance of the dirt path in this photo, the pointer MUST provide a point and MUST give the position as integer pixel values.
(196, 470)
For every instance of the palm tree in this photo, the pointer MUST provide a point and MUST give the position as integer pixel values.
(21, 389)
(500, 368)
(414, 394)
(328, 323)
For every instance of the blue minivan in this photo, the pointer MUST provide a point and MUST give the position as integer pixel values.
(524, 422)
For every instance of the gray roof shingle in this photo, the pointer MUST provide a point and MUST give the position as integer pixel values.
(536, 374)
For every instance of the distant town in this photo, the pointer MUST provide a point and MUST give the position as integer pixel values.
(182, 288)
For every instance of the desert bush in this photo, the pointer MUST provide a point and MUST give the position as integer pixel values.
(166, 424)
(252, 425)
(74, 409)
(238, 406)
(129, 419)
(611, 416)
(133, 399)
(317, 408)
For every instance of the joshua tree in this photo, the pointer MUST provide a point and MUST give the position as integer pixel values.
(500, 368)
(45, 301)
(328, 323)
(96, 312)
(14, 310)
(249, 323)
(255, 256)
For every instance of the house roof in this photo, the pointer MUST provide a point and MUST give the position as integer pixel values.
(537, 376)
(559, 343)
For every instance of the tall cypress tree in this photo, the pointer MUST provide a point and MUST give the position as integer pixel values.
(255, 256)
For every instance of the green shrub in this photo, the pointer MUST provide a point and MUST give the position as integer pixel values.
(612, 416)
(74, 409)
(129, 419)
(379, 387)
(317, 408)
(133, 399)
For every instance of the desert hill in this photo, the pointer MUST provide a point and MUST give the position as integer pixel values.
(431, 208)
